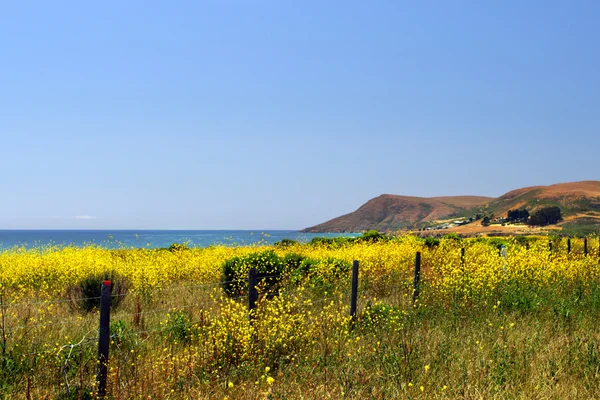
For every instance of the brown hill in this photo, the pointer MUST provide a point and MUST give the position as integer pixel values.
(572, 198)
(391, 212)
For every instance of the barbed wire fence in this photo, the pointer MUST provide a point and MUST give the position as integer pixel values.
(161, 324)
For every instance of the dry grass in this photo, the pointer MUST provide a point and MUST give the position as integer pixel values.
(187, 340)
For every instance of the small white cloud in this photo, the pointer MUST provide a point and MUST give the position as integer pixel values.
(80, 217)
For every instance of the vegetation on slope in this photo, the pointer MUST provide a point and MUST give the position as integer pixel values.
(391, 213)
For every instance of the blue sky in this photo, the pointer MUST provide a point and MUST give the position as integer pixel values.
(283, 114)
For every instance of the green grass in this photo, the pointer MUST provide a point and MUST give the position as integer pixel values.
(581, 227)
(533, 344)
(520, 341)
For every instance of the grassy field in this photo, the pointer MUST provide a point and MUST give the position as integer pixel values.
(484, 326)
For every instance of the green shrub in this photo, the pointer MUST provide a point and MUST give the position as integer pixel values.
(519, 297)
(231, 279)
(431, 242)
(334, 242)
(120, 333)
(235, 271)
(339, 268)
(292, 261)
(452, 236)
(286, 243)
(11, 367)
(325, 272)
(308, 265)
(320, 273)
(178, 247)
(581, 227)
(493, 241)
(85, 295)
(179, 327)
(272, 268)
(319, 241)
(371, 236)
(264, 261)
(302, 270)
(523, 240)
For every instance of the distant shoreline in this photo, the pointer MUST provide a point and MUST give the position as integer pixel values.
(128, 238)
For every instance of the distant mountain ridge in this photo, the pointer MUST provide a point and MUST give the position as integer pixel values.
(393, 212)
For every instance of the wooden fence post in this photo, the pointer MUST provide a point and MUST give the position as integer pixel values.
(417, 276)
(252, 291)
(585, 249)
(569, 245)
(550, 245)
(103, 339)
(354, 290)
(503, 255)
(462, 257)
(3, 326)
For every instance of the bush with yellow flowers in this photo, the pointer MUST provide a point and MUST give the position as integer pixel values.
(517, 320)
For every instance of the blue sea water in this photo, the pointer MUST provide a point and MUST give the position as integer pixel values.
(148, 238)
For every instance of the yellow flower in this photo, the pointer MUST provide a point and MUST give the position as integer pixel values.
(230, 384)
(270, 380)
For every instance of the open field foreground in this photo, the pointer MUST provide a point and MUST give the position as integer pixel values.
(515, 322)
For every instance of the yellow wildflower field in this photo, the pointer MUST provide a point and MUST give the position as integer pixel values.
(494, 318)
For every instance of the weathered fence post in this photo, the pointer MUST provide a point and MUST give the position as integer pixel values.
(252, 291)
(354, 290)
(569, 245)
(417, 276)
(3, 313)
(550, 246)
(585, 249)
(103, 339)
(462, 257)
(503, 255)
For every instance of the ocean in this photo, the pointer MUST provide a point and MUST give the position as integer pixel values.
(113, 239)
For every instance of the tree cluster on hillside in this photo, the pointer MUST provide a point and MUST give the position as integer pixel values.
(545, 216)
(517, 215)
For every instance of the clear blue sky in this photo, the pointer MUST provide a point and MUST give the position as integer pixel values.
(283, 114)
